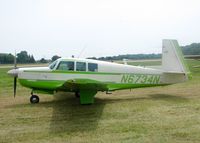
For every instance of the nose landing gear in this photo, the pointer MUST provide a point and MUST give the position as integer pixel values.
(34, 98)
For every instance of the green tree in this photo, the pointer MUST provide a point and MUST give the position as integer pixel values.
(43, 60)
(192, 49)
(6, 58)
(32, 60)
(23, 57)
(55, 57)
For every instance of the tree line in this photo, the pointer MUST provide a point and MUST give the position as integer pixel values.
(24, 57)
(192, 49)
(129, 56)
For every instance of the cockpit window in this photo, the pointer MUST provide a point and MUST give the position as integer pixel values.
(66, 65)
(80, 66)
(52, 65)
(92, 67)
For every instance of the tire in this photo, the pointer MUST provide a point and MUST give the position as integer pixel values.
(34, 99)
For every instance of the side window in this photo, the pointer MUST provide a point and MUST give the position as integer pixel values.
(52, 65)
(80, 66)
(66, 65)
(92, 67)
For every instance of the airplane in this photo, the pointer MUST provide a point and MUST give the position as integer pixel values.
(86, 77)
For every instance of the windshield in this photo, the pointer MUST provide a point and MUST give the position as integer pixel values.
(52, 65)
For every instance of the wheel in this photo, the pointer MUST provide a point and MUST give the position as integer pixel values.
(34, 99)
(77, 94)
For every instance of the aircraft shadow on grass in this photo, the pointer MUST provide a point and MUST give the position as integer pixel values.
(69, 116)
(163, 97)
(168, 97)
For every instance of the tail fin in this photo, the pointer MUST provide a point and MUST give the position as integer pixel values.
(172, 58)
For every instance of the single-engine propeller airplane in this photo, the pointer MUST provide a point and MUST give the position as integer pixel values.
(85, 77)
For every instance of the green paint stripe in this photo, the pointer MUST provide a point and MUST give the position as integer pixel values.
(120, 86)
(50, 85)
(183, 61)
(181, 57)
(42, 84)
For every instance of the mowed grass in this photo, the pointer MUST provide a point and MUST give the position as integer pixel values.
(169, 114)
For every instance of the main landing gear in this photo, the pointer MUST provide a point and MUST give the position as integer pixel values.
(34, 98)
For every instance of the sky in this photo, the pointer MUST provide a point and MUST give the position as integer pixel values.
(86, 28)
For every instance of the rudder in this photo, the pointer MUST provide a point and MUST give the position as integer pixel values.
(172, 58)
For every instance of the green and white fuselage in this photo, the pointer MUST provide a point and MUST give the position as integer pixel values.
(87, 77)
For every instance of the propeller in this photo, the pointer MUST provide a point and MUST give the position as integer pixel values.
(15, 77)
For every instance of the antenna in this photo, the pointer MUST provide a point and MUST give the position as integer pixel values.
(83, 49)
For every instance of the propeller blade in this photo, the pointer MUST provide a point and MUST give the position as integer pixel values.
(15, 85)
(15, 61)
(15, 78)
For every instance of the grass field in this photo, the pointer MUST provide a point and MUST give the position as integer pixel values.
(169, 114)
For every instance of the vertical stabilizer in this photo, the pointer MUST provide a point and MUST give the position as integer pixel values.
(173, 64)
(172, 57)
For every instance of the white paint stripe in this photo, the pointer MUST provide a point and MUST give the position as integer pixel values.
(68, 76)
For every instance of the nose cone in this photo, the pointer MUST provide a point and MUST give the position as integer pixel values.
(13, 72)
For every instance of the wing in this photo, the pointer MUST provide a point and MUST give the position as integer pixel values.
(87, 88)
(83, 84)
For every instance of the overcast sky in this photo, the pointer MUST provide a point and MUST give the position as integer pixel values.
(101, 27)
